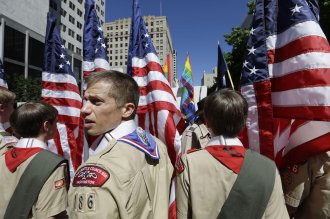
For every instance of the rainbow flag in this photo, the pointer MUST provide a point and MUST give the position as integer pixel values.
(187, 99)
(167, 69)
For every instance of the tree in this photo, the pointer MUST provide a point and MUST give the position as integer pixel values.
(325, 17)
(25, 89)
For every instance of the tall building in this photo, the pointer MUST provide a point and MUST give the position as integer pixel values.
(209, 79)
(23, 29)
(70, 19)
(117, 33)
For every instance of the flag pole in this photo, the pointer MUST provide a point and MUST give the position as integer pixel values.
(231, 81)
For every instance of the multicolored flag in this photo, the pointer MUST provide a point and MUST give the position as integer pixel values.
(94, 46)
(187, 98)
(222, 70)
(60, 89)
(167, 69)
(158, 111)
(285, 77)
(3, 83)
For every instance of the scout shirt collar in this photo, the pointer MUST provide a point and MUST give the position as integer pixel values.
(23, 150)
(31, 143)
(220, 140)
(123, 129)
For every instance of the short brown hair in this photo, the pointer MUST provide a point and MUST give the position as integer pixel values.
(27, 120)
(6, 96)
(225, 112)
(122, 87)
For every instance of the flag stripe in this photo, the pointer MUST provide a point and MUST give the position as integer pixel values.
(60, 86)
(297, 31)
(305, 78)
(300, 46)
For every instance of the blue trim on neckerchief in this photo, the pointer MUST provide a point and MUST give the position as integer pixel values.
(142, 141)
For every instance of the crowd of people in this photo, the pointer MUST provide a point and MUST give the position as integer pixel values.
(129, 172)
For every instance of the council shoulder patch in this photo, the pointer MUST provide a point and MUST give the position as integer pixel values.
(91, 176)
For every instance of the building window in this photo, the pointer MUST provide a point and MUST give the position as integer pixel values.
(63, 12)
(71, 19)
(78, 51)
(79, 12)
(14, 44)
(78, 37)
(79, 25)
(80, 1)
(71, 5)
(35, 49)
(71, 47)
(71, 33)
(63, 28)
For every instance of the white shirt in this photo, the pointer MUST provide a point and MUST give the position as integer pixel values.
(31, 142)
(123, 129)
(220, 140)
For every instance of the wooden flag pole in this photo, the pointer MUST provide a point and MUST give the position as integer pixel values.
(231, 81)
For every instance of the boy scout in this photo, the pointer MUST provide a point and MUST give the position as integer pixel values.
(7, 99)
(196, 135)
(224, 180)
(128, 173)
(307, 188)
(33, 180)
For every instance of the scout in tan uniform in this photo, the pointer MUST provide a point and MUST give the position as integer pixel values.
(307, 188)
(29, 164)
(128, 173)
(224, 180)
(7, 99)
(196, 135)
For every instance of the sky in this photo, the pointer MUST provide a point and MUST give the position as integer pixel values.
(196, 27)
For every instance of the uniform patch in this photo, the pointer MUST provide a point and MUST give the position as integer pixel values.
(59, 183)
(142, 136)
(178, 164)
(92, 176)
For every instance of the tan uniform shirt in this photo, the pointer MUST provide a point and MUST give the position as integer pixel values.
(307, 187)
(52, 198)
(195, 136)
(127, 184)
(204, 185)
(6, 141)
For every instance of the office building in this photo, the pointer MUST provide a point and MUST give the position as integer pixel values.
(23, 29)
(117, 33)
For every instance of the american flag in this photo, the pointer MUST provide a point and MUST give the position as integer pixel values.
(158, 111)
(3, 83)
(59, 88)
(95, 50)
(222, 69)
(187, 98)
(284, 76)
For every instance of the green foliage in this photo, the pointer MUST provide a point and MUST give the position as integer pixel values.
(25, 89)
(325, 17)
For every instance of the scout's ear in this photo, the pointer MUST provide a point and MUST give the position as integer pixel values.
(128, 110)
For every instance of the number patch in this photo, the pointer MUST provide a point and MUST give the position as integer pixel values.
(84, 202)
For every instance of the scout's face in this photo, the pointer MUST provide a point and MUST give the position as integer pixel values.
(101, 111)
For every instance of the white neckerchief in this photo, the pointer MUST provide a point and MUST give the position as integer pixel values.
(220, 140)
(31, 142)
(123, 129)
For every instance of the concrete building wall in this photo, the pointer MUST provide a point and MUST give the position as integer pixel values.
(29, 13)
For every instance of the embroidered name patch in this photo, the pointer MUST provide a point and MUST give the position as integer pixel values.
(92, 176)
